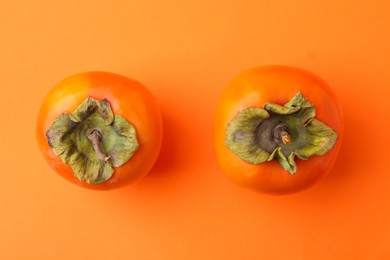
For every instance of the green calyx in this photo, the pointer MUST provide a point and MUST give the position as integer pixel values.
(257, 135)
(93, 140)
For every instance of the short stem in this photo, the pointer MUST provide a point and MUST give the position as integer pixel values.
(285, 137)
(282, 133)
(96, 137)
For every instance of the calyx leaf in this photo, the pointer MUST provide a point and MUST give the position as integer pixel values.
(241, 136)
(250, 134)
(68, 137)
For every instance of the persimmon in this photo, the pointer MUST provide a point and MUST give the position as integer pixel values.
(99, 130)
(277, 129)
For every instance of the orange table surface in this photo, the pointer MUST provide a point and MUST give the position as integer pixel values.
(186, 52)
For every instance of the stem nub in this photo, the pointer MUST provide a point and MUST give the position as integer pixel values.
(282, 133)
(285, 137)
(95, 136)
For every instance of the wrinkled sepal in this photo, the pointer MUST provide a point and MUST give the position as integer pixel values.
(90, 171)
(124, 144)
(287, 163)
(89, 106)
(297, 103)
(319, 139)
(241, 135)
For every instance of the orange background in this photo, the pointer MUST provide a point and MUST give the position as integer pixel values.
(186, 52)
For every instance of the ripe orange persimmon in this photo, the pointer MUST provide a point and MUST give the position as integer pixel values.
(99, 130)
(277, 129)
